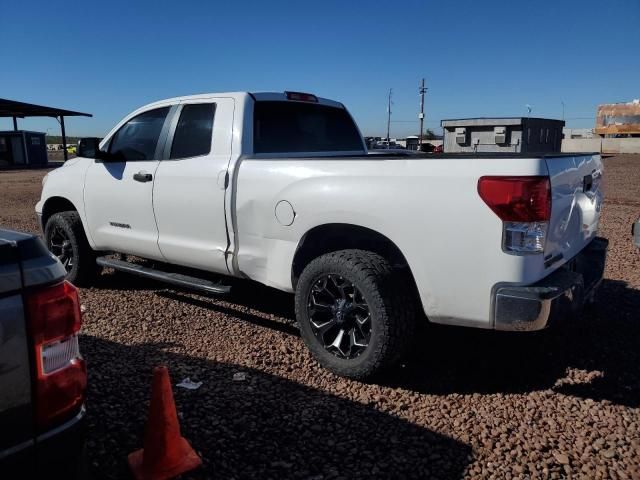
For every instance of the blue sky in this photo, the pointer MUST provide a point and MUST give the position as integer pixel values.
(479, 58)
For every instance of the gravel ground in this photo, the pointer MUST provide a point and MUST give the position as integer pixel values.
(563, 403)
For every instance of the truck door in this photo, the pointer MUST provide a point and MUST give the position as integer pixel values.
(118, 192)
(190, 184)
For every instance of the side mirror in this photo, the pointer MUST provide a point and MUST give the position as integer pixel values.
(89, 148)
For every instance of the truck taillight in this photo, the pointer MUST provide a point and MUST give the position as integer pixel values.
(61, 376)
(524, 206)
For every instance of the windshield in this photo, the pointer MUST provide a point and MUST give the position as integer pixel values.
(282, 127)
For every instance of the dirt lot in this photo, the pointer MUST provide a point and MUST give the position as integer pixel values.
(560, 403)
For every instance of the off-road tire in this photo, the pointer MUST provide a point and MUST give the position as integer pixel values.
(392, 304)
(84, 269)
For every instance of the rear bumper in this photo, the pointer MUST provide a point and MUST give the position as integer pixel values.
(563, 293)
(60, 450)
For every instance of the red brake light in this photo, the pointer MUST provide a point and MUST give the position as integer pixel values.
(301, 97)
(61, 378)
(54, 312)
(517, 199)
(60, 395)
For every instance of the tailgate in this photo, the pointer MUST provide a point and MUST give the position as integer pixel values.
(576, 201)
(24, 263)
(16, 419)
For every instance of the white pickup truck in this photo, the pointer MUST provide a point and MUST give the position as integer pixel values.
(279, 188)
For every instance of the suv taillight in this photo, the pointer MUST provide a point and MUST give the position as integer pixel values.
(61, 377)
(524, 206)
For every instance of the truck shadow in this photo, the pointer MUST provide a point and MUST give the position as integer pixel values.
(118, 281)
(261, 427)
(594, 356)
(287, 326)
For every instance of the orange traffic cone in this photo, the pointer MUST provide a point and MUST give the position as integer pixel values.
(166, 453)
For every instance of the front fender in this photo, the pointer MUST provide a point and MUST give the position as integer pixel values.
(67, 182)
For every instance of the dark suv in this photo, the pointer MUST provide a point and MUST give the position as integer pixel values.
(42, 374)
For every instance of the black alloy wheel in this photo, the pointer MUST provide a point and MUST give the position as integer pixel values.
(339, 315)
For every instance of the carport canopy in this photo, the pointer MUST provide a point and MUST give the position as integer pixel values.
(11, 108)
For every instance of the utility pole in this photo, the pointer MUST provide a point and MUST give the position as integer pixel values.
(562, 102)
(422, 90)
(389, 118)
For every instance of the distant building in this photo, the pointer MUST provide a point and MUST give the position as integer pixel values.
(505, 134)
(618, 119)
(22, 147)
(578, 132)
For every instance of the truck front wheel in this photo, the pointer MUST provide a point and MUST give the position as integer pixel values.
(65, 238)
(355, 312)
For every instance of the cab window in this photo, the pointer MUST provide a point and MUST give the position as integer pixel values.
(193, 132)
(287, 127)
(138, 138)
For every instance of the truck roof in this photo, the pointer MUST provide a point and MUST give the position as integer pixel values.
(242, 96)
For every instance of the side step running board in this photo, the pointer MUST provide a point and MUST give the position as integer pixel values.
(177, 279)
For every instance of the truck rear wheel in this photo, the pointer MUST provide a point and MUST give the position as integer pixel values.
(65, 238)
(355, 312)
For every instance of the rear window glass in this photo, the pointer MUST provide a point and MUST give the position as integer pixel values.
(193, 133)
(281, 127)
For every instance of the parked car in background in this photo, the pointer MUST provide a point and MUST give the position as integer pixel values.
(426, 147)
(392, 151)
(42, 374)
(279, 188)
(384, 144)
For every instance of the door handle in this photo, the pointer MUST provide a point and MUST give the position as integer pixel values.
(142, 177)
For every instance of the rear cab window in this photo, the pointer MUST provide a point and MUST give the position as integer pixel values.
(192, 137)
(290, 127)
